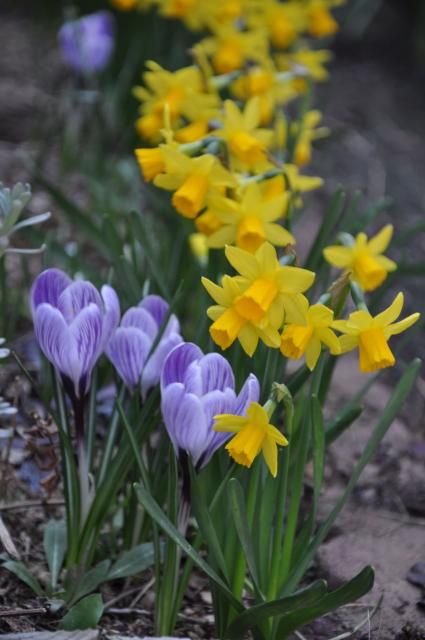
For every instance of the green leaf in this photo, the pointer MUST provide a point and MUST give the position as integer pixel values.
(131, 562)
(254, 616)
(318, 450)
(397, 399)
(240, 517)
(90, 581)
(326, 230)
(167, 526)
(349, 592)
(342, 421)
(84, 615)
(55, 543)
(21, 572)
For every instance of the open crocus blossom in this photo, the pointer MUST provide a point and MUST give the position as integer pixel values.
(371, 334)
(130, 346)
(195, 388)
(73, 323)
(254, 434)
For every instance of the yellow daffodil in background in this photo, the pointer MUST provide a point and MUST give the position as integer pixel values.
(181, 93)
(198, 246)
(307, 338)
(193, 180)
(292, 181)
(306, 63)
(230, 48)
(270, 89)
(283, 21)
(254, 435)
(321, 22)
(251, 220)
(176, 8)
(246, 142)
(305, 132)
(125, 5)
(364, 258)
(151, 162)
(271, 290)
(371, 334)
(228, 325)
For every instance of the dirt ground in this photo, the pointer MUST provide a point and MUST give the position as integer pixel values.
(374, 103)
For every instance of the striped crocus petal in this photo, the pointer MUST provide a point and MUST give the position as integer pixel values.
(86, 331)
(47, 287)
(158, 308)
(152, 371)
(76, 297)
(128, 349)
(177, 363)
(111, 317)
(54, 338)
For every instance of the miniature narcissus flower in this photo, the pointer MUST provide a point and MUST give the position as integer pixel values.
(272, 290)
(306, 131)
(193, 180)
(254, 435)
(181, 93)
(251, 220)
(228, 325)
(247, 143)
(194, 388)
(229, 48)
(253, 305)
(306, 338)
(364, 258)
(73, 323)
(321, 22)
(371, 334)
(129, 347)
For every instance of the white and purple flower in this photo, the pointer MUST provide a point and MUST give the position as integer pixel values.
(87, 43)
(73, 323)
(195, 388)
(130, 346)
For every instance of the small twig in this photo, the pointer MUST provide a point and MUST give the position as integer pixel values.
(28, 504)
(119, 597)
(129, 611)
(22, 612)
(142, 592)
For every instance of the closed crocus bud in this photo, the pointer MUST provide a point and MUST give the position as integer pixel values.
(87, 43)
(131, 343)
(73, 322)
(195, 388)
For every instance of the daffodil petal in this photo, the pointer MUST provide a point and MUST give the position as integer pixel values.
(390, 314)
(380, 242)
(340, 257)
(312, 352)
(269, 450)
(402, 325)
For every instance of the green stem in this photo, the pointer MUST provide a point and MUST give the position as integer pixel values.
(282, 495)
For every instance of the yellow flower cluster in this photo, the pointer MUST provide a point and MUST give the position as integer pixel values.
(222, 143)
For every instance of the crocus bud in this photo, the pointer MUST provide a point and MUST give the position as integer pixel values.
(87, 44)
(195, 388)
(72, 323)
(130, 345)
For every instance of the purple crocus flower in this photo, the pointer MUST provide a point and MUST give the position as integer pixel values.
(130, 345)
(87, 43)
(195, 388)
(73, 323)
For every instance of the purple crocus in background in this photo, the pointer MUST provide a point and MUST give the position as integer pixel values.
(131, 343)
(87, 43)
(73, 322)
(195, 388)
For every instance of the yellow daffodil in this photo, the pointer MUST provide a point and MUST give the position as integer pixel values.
(246, 142)
(181, 93)
(230, 48)
(254, 435)
(176, 8)
(364, 258)
(293, 181)
(321, 22)
(193, 180)
(371, 334)
(192, 132)
(284, 22)
(307, 338)
(199, 248)
(125, 5)
(228, 325)
(250, 221)
(270, 290)
(151, 162)
(208, 223)
(270, 89)
(306, 131)
(306, 62)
